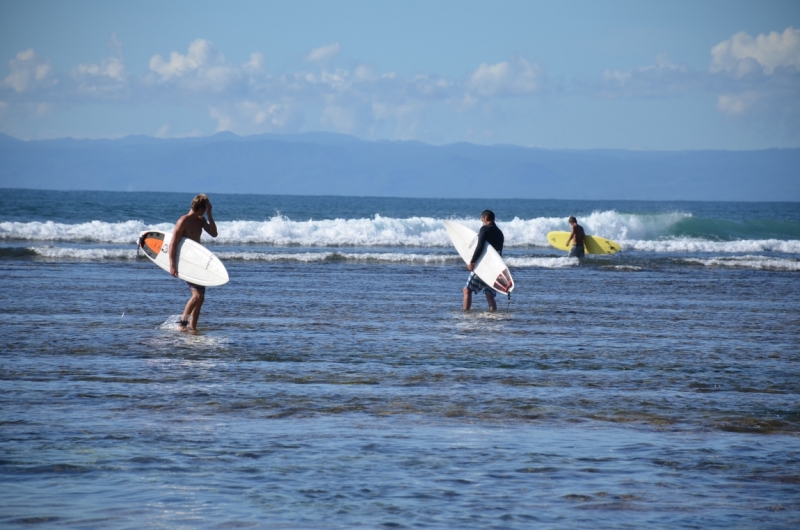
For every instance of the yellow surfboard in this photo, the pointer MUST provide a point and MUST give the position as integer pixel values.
(592, 244)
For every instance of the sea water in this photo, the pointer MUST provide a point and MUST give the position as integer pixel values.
(336, 382)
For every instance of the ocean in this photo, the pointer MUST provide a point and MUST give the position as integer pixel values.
(335, 381)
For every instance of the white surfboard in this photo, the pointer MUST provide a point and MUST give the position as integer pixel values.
(196, 264)
(490, 266)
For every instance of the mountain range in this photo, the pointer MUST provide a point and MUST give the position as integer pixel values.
(335, 164)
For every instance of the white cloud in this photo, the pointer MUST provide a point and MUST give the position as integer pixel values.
(111, 67)
(162, 131)
(255, 64)
(735, 104)
(251, 117)
(742, 54)
(463, 104)
(246, 99)
(661, 79)
(518, 77)
(202, 68)
(27, 70)
(323, 53)
(757, 80)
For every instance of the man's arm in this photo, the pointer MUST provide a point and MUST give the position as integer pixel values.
(478, 248)
(177, 234)
(210, 226)
(571, 235)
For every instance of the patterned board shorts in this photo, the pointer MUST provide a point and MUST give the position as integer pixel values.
(576, 251)
(476, 285)
(199, 288)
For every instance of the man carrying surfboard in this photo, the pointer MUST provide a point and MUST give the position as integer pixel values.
(191, 226)
(577, 249)
(489, 233)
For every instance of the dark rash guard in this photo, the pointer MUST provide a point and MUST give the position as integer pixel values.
(488, 234)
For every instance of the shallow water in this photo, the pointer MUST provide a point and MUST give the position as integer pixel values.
(642, 389)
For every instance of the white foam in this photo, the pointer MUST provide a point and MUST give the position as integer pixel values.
(378, 231)
(677, 245)
(94, 231)
(375, 231)
(544, 263)
(83, 253)
(67, 253)
(624, 268)
(309, 257)
(171, 323)
(648, 233)
(749, 262)
(610, 224)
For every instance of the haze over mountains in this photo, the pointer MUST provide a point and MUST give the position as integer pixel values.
(332, 164)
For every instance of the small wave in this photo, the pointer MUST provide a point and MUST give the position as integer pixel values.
(701, 245)
(309, 257)
(749, 262)
(80, 254)
(94, 231)
(545, 263)
(83, 253)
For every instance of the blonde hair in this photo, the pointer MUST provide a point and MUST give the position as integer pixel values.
(200, 202)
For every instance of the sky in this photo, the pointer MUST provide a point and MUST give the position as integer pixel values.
(641, 75)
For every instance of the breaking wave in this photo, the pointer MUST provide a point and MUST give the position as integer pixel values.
(639, 232)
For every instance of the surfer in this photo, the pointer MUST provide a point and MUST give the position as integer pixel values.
(577, 250)
(191, 226)
(489, 233)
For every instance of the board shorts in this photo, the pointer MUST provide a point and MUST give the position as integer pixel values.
(576, 251)
(199, 288)
(476, 285)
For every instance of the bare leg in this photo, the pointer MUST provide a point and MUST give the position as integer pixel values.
(196, 312)
(467, 299)
(490, 299)
(192, 310)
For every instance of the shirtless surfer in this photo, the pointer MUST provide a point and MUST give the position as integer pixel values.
(577, 250)
(191, 226)
(489, 234)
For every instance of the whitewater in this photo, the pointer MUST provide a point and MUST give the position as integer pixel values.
(648, 233)
(647, 240)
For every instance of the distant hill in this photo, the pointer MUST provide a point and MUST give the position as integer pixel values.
(332, 164)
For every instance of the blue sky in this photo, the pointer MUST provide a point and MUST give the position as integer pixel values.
(654, 75)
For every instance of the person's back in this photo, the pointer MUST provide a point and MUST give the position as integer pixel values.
(492, 235)
(489, 234)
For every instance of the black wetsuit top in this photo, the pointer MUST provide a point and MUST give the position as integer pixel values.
(491, 234)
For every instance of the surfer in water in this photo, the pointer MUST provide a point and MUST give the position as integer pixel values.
(191, 226)
(577, 250)
(489, 233)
